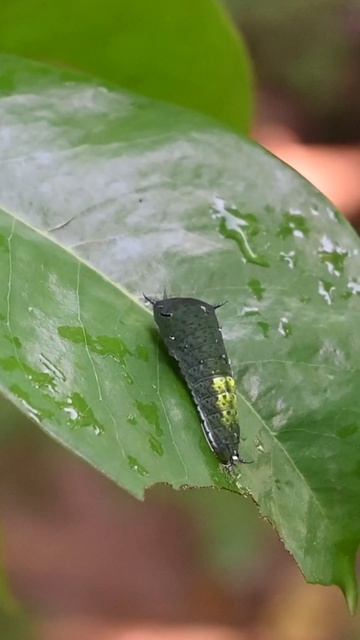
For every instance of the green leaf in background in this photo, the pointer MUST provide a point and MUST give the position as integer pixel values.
(150, 196)
(183, 52)
(14, 622)
(11, 421)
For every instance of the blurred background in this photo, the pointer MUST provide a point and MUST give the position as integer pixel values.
(84, 559)
(306, 58)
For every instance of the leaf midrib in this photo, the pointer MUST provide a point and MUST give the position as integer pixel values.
(77, 258)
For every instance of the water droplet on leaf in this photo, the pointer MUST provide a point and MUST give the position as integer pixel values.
(293, 224)
(239, 227)
(326, 290)
(288, 258)
(285, 328)
(354, 287)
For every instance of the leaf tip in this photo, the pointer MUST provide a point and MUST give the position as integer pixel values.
(350, 591)
(347, 580)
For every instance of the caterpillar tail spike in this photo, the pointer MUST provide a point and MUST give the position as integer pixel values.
(220, 304)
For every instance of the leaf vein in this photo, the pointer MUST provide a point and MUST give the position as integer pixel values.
(166, 414)
(84, 332)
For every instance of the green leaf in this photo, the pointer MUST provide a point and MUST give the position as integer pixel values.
(183, 52)
(105, 195)
(14, 622)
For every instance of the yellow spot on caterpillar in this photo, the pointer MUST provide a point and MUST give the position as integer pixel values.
(224, 387)
(219, 384)
(226, 400)
(228, 417)
(230, 383)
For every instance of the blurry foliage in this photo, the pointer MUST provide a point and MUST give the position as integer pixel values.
(15, 626)
(13, 423)
(219, 516)
(14, 623)
(182, 52)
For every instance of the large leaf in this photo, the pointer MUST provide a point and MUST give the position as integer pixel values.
(153, 196)
(184, 52)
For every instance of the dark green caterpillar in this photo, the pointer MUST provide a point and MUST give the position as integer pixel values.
(191, 333)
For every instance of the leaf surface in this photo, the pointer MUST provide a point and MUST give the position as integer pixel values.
(105, 195)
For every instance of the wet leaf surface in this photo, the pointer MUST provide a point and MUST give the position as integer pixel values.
(105, 195)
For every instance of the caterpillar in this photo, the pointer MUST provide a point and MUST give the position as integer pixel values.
(190, 330)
